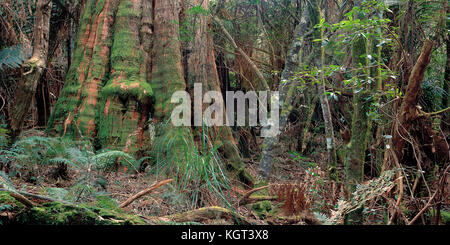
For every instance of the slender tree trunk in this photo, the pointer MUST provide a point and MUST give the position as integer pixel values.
(287, 89)
(202, 69)
(356, 149)
(34, 67)
(326, 112)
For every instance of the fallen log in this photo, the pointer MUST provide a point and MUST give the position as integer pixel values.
(203, 214)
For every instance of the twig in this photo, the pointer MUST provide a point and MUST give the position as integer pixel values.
(429, 201)
(423, 209)
(144, 192)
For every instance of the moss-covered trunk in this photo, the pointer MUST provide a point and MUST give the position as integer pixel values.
(126, 65)
(287, 89)
(107, 96)
(356, 149)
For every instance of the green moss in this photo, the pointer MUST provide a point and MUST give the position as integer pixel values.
(99, 7)
(55, 213)
(10, 203)
(262, 209)
(445, 217)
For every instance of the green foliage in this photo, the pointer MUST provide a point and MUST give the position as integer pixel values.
(195, 168)
(13, 56)
(29, 153)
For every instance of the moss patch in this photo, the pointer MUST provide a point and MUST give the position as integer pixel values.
(262, 209)
(104, 212)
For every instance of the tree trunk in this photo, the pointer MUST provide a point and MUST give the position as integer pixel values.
(106, 97)
(126, 65)
(324, 104)
(202, 69)
(287, 90)
(356, 149)
(34, 67)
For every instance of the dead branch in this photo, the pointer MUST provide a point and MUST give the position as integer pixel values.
(144, 192)
(25, 201)
(429, 201)
(263, 83)
(246, 199)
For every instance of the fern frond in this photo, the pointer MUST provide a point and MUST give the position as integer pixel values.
(5, 182)
(107, 159)
(13, 56)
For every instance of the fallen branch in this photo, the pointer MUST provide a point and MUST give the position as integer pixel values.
(25, 201)
(207, 213)
(246, 199)
(144, 192)
(34, 196)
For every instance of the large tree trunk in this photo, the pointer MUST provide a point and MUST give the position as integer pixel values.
(125, 68)
(107, 96)
(34, 67)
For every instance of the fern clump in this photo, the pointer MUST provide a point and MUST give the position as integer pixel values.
(29, 154)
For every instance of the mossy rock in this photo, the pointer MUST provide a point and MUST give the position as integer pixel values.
(56, 213)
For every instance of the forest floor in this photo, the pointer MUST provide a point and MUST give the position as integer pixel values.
(167, 200)
(298, 190)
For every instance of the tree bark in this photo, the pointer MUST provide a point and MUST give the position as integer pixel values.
(356, 149)
(287, 90)
(34, 67)
(106, 97)
(202, 69)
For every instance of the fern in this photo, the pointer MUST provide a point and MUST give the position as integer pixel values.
(13, 56)
(5, 182)
(107, 159)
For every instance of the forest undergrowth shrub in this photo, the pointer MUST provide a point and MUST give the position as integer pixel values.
(364, 192)
(198, 168)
